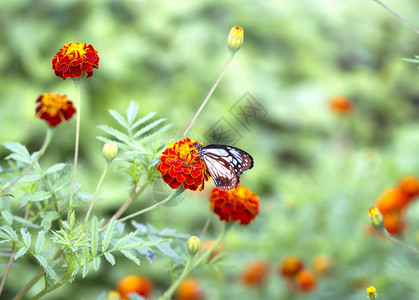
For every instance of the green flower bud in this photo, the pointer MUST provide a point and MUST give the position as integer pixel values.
(376, 218)
(235, 39)
(110, 150)
(193, 245)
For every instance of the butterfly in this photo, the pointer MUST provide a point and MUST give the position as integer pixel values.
(225, 164)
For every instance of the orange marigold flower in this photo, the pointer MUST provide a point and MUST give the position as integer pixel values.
(393, 199)
(54, 108)
(410, 186)
(189, 289)
(234, 205)
(394, 223)
(180, 165)
(135, 284)
(322, 264)
(306, 280)
(341, 105)
(290, 266)
(73, 59)
(255, 273)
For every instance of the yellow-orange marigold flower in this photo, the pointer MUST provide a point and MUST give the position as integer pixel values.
(239, 204)
(255, 273)
(410, 186)
(135, 284)
(54, 108)
(394, 222)
(290, 266)
(393, 199)
(371, 292)
(73, 59)
(180, 165)
(189, 289)
(340, 105)
(322, 264)
(306, 280)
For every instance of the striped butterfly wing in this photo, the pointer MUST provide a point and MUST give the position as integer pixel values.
(225, 164)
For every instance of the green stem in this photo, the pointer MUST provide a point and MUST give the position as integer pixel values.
(224, 69)
(140, 212)
(168, 294)
(48, 136)
(396, 15)
(392, 237)
(77, 87)
(105, 169)
(28, 286)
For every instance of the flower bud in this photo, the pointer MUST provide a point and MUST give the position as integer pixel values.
(193, 245)
(376, 218)
(235, 39)
(371, 292)
(110, 150)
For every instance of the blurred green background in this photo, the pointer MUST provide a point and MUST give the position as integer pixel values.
(316, 172)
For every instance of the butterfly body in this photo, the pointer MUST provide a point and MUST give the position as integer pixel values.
(225, 164)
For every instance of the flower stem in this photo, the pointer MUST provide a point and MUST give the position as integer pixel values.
(224, 69)
(48, 136)
(105, 169)
(167, 295)
(396, 15)
(77, 87)
(28, 286)
(393, 238)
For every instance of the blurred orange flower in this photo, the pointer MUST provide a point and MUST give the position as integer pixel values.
(306, 280)
(410, 186)
(189, 289)
(322, 264)
(206, 245)
(290, 266)
(180, 165)
(73, 59)
(340, 105)
(394, 222)
(255, 273)
(393, 199)
(234, 205)
(135, 284)
(54, 108)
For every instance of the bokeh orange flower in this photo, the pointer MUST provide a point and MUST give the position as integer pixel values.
(340, 105)
(410, 186)
(54, 108)
(306, 280)
(206, 245)
(393, 199)
(290, 266)
(322, 264)
(255, 273)
(239, 204)
(135, 284)
(180, 165)
(73, 59)
(189, 289)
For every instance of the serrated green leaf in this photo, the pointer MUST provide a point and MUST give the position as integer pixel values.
(48, 218)
(132, 111)
(131, 256)
(106, 140)
(22, 251)
(143, 120)
(75, 271)
(94, 230)
(137, 245)
(120, 119)
(155, 135)
(19, 152)
(7, 216)
(34, 197)
(109, 257)
(86, 268)
(9, 232)
(55, 168)
(40, 240)
(148, 127)
(46, 267)
(96, 263)
(108, 234)
(26, 237)
(125, 238)
(116, 133)
(31, 178)
(72, 220)
(25, 222)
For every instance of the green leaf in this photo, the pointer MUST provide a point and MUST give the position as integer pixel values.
(46, 267)
(116, 133)
(109, 257)
(143, 120)
(40, 240)
(131, 256)
(26, 237)
(132, 111)
(137, 245)
(60, 182)
(25, 222)
(19, 152)
(155, 135)
(147, 128)
(34, 197)
(86, 268)
(7, 216)
(120, 119)
(125, 238)
(96, 263)
(94, 230)
(108, 234)
(48, 218)
(9, 233)
(55, 168)
(22, 251)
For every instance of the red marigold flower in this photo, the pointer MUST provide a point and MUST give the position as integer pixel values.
(189, 289)
(135, 284)
(234, 205)
(341, 105)
(54, 108)
(255, 273)
(290, 266)
(180, 165)
(73, 59)
(306, 280)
